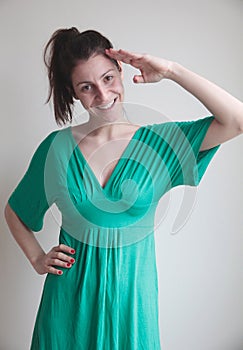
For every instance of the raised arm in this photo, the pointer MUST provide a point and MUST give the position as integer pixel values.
(42, 262)
(227, 110)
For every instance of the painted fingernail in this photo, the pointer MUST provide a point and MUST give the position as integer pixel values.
(72, 251)
(72, 260)
(68, 265)
(59, 272)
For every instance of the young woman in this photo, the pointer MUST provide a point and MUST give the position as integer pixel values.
(106, 176)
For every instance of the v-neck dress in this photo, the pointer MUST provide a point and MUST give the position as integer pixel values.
(108, 300)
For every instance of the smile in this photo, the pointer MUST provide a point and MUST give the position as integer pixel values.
(107, 106)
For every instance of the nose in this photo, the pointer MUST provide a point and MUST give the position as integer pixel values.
(101, 93)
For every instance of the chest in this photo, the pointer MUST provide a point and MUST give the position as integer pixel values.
(103, 158)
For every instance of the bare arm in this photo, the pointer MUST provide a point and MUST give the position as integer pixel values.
(227, 110)
(42, 262)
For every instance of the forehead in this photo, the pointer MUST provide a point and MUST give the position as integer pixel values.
(94, 67)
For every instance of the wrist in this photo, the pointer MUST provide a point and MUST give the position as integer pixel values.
(36, 258)
(174, 71)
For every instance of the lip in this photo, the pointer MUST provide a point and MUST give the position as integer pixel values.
(107, 106)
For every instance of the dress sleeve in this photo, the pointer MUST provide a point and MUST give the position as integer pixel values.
(28, 200)
(192, 162)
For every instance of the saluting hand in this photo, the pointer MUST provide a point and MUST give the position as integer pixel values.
(153, 69)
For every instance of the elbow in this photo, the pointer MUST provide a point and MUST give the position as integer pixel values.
(238, 124)
(8, 213)
(241, 119)
(12, 219)
(241, 127)
(10, 216)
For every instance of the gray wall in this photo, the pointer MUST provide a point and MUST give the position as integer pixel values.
(200, 267)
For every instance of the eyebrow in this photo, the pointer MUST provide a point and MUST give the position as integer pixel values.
(89, 82)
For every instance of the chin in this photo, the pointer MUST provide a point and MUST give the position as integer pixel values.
(113, 114)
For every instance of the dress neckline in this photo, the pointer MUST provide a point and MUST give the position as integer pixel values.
(126, 149)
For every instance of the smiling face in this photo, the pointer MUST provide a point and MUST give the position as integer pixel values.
(97, 83)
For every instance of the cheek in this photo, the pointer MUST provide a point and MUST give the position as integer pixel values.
(119, 86)
(85, 101)
(122, 91)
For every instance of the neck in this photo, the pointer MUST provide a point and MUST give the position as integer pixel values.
(106, 128)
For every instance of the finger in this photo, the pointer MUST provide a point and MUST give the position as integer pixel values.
(57, 262)
(129, 53)
(117, 54)
(64, 248)
(124, 56)
(63, 257)
(54, 271)
(138, 79)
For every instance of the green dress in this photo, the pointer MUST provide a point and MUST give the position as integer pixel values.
(108, 300)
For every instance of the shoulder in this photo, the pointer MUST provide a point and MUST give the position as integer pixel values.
(44, 146)
(184, 126)
(46, 141)
(162, 128)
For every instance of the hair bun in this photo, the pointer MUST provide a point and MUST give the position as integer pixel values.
(68, 33)
(63, 36)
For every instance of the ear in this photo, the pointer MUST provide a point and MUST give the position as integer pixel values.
(120, 69)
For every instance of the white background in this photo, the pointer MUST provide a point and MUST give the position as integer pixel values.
(200, 267)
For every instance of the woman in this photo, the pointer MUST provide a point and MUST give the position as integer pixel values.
(106, 176)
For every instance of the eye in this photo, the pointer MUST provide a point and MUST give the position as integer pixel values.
(109, 77)
(86, 88)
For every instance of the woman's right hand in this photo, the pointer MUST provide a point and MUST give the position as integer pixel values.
(152, 69)
(57, 257)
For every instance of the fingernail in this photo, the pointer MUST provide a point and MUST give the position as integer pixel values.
(59, 272)
(72, 260)
(72, 251)
(68, 265)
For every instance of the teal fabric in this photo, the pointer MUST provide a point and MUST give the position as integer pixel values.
(108, 300)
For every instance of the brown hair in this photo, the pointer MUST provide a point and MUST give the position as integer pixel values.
(63, 50)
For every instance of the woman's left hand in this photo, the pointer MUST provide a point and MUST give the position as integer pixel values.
(153, 69)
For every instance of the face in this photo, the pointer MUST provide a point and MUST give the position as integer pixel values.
(97, 83)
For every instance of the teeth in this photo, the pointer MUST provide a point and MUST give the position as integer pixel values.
(108, 105)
